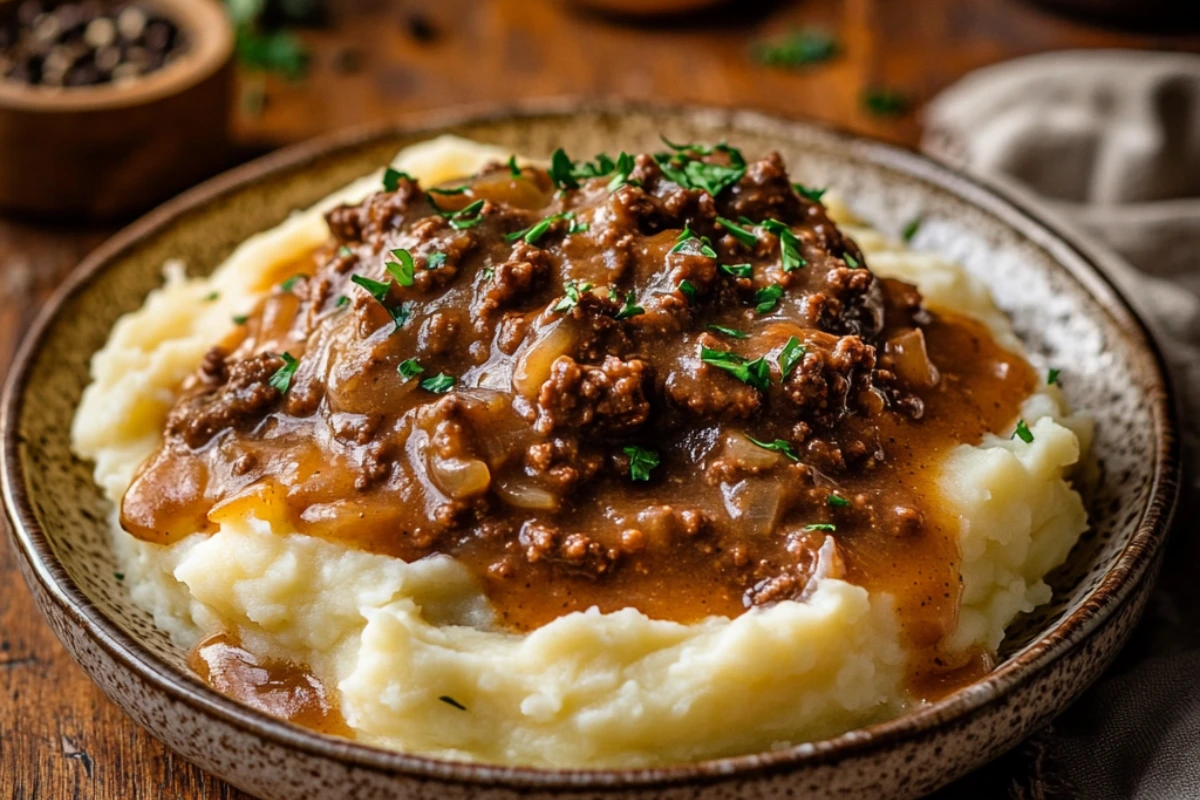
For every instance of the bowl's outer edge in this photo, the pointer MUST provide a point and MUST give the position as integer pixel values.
(1130, 577)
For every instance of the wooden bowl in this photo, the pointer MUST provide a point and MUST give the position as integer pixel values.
(1049, 279)
(109, 150)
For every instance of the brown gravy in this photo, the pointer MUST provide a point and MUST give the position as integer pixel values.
(527, 471)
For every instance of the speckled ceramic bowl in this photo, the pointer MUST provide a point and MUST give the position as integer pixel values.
(1051, 283)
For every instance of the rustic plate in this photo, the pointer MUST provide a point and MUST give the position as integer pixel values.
(1051, 282)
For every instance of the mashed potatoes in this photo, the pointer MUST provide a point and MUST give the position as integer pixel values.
(589, 689)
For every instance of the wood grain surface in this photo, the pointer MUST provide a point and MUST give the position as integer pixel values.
(59, 736)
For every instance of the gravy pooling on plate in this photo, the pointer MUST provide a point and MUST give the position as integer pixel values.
(666, 382)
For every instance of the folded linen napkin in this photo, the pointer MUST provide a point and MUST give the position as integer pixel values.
(1110, 140)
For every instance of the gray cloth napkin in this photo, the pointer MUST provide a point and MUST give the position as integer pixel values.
(1110, 140)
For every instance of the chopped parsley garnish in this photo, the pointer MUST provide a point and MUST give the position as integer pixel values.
(812, 194)
(641, 462)
(1022, 432)
(438, 384)
(533, 233)
(837, 502)
(825, 527)
(630, 308)
(571, 291)
(435, 260)
(766, 298)
(738, 270)
(403, 270)
(910, 230)
(789, 245)
(513, 169)
(291, 282)
(409, 368)
(376, 289)
(379, 291)
(1052, 377)
(487, 273)
(688, 290)
(211, 297)
(790, 356)
(453, 190)
(696, 245)
(851, 261)
(562, 170)
(450, 701)
(344, 252)
(777, 446)
(756, 373)
(884, 102)
(282, 379)
(119, 576)
(391, 179)
(467, 217)
(342, 301)
(624, 166)
(683, 169)
(738, 232)
(736, 334)
(796, 49)
(577, 227)
(240, 319)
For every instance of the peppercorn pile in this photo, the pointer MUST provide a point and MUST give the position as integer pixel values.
(85, 44)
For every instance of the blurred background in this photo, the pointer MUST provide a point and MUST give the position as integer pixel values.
(108, 108)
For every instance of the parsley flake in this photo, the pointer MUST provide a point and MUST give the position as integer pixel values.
(409, 368)
(391, 179)
(814, 195)
(562, 170)
(452, 190)
(741, 234)
(736, 334)
(119, 576)
(342, 301)
(738, 270)
(1052, 377)
(513, 169)
(1022, 432)
(376, 289)
(641, 462)
(688, 290)
(851, 261)
(766, 298)
(883, 102)
(790, 356)
(777, 446)
(695, 245)
(624, 166)
(404, 270)
(344, 252)
(534, 232)
(435, 260)
(211, 297)
(837, 502)
(798, 48)
(450, 701)
(240, 319)
(282, 379)
(438, 384)
(630, 308)
(467, 217)
(826, 527)
(572, 291)
(789, 245)
(291, 282)
(756, 373)
(910, 229)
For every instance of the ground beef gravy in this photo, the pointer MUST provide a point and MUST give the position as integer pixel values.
(578, 434)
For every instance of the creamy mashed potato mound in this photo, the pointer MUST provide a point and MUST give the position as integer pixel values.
(587, 690)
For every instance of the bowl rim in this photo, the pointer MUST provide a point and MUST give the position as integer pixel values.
(211, 48)
(1083, 260)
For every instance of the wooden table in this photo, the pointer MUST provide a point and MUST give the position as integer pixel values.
(59, 736)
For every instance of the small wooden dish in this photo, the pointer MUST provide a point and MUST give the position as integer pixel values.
(109, 150)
